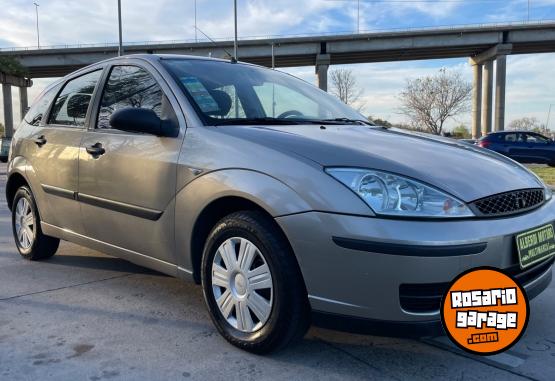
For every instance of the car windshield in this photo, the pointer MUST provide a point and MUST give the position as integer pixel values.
(225, 93)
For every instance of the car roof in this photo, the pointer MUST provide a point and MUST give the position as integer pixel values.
(142, 56)
(156, 58)
(513, 132)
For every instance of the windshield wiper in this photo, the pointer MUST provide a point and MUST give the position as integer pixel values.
(251, 121)
(334, 121)
(347, 121)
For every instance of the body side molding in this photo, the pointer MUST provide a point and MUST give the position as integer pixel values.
(134, 210)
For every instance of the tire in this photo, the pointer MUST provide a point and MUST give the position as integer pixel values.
(36, 245)
(288, 317)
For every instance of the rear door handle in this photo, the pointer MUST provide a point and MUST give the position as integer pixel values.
(40, 141)
(96, 150)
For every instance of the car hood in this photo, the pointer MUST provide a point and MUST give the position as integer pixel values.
(463, 170)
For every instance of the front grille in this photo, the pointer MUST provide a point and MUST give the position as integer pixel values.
(509, 203)
(426, 297)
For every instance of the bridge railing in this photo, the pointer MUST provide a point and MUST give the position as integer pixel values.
(280, 36)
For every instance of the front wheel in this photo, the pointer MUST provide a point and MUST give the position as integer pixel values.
(252, 284)
(30, 241)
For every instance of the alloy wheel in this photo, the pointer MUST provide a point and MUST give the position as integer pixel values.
(24, 223)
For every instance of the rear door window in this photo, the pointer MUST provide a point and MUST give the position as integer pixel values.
(71, 105)
(40, 106)
(512, 138)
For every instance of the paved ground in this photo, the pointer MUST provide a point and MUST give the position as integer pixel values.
(87, 316)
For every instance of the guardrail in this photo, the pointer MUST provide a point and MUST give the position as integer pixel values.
(279, 36)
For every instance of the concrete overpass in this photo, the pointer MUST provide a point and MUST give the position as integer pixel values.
(7, 81)
(483, 44)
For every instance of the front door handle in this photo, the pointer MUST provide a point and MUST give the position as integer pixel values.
(40, 141)
(96, 150)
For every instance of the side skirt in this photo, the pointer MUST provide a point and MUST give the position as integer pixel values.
(116, 251)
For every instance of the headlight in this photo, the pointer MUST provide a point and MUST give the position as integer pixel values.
(395, 195)
(548, 193)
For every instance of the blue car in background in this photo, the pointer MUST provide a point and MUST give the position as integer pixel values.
(5, 149)
(522, 146)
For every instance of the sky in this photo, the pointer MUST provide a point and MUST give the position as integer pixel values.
(530, 78)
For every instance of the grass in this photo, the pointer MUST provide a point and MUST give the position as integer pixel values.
(546, 173)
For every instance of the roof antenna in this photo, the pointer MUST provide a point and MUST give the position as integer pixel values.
(232, 58)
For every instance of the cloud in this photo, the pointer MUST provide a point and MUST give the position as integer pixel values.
(530, 78)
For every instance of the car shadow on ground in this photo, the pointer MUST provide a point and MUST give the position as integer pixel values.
(100, 263)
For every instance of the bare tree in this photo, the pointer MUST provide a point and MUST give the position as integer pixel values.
(346, 88)
(527, 124)
(431, 100)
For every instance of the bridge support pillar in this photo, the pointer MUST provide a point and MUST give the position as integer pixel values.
(487, 98)
(482, 64)
(23, 101)
(477, 101)
(322, 66)
(8, 112)
(500, 80)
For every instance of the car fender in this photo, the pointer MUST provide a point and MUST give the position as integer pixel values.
(269, 193)
(21, 166)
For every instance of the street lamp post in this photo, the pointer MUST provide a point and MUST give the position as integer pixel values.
(38, 34)
(120, 46)
(548, 116)
(235, 41)
(358, 16)
(196, 31)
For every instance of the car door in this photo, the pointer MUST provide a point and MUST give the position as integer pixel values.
(53, 150)
(539, 149)
(514, 145)
(127, 191)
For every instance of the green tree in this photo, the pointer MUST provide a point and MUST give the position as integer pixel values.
(461, 132)
(380, 122)
(11, 66)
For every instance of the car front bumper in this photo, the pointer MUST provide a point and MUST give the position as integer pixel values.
(397, 270)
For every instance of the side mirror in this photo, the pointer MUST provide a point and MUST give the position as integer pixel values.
(144, 121)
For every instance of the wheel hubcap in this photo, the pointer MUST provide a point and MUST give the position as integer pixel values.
(242, 284)
(24, 223)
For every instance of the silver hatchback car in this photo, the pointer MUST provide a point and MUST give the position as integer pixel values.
(285, 204)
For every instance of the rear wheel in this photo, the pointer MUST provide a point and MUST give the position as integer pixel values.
(252, 284)
(31, 243)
